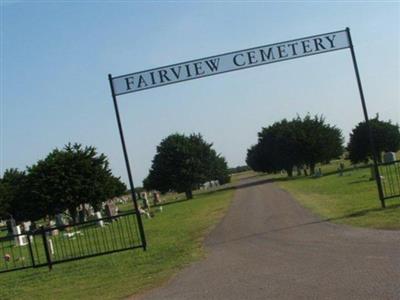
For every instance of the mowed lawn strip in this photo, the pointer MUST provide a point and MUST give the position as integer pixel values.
(349, 199)
(175, 239)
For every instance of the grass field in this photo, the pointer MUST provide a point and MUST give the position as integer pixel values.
(174, 240)
(349, 199)
(175, 237)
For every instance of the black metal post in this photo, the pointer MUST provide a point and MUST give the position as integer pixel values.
(364, 106)
(29, 235)
(121, 133)
(46, 248)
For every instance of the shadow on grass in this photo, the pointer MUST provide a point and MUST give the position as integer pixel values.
(244, 183)
(352, 215)
(255, 180)
(360, 181)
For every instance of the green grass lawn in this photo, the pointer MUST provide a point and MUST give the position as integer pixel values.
(349, 199)
(174, 240)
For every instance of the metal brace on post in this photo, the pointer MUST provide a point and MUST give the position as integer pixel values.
(29, 235)
(364, 106)
(46, 248)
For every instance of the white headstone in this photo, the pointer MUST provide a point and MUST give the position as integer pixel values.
(51, 247)
(27, 225)
(99, 216)
(20, 240)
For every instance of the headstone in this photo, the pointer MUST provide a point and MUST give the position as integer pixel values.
(389, 157)
(20, 240)
(110, 209)
(27, 225)
(89, 210)
(59, 220)
(144, 212)
(156, 197)
(51, 247)
(99, 216)
(53, 232)
(143, 195)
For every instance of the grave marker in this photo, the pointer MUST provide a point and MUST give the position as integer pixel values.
(389, 157)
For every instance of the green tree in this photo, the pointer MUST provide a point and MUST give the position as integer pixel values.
(15, 197)
(286, 144)
(182, 163)
(71, 177)
(115, 187)
(317, 141)
(276, 149)
(219, 170)
(386, 138)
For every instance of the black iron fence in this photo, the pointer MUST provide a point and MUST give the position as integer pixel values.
(57, 244)
(390, 179)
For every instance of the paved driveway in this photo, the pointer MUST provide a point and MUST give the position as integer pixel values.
(269, 247)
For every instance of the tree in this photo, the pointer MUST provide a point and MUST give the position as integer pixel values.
(219, 170)
(71, 177)
(115, 187)
(286, 144)
(386, 138)
(182, 163)
(14, 196)
(4, 202)
(317, 141)
(277, 148)
(239, 169)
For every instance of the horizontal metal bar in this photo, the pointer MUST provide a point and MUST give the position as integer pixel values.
(389, 163)
(94, 255)
(391, 197)
(16, 269)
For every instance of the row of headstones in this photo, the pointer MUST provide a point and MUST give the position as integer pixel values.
(209, 184)
(14, 229)
(109, 207)
(145, 198)
(17, 231)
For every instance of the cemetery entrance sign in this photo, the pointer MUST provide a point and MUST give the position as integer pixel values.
(228, 62)
(233, 61)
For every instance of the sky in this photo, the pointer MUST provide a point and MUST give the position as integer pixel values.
(55, 57)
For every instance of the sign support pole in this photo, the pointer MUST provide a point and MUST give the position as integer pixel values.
(128, 168)
(364, 106)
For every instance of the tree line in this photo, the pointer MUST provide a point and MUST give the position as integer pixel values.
(305, 142)
(64, 180)
(68, 178)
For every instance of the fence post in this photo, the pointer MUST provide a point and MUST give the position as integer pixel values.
(29, 235)
(46, 248)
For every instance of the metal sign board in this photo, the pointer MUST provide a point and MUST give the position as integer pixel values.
(231, 61)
